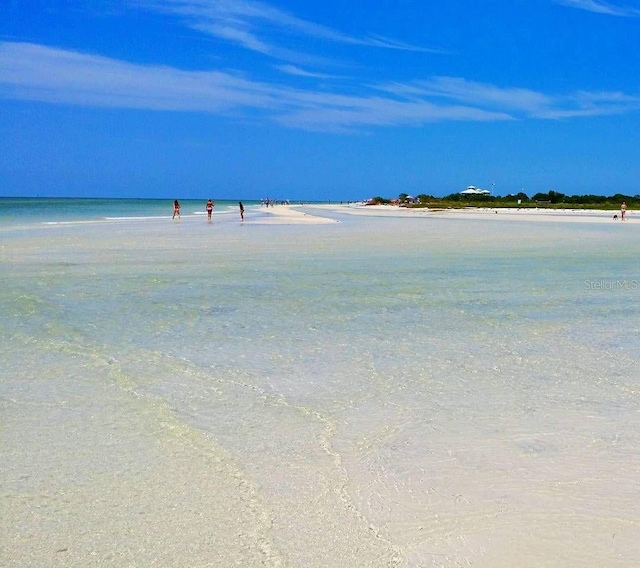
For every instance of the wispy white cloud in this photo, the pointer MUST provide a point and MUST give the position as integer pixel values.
(35, 72)
(39, 73)
(236, 34)
(583, 103)
(298, 72)
(518, 102)
(474, 93)
(601, 7)
(255, 25)
(353, 114)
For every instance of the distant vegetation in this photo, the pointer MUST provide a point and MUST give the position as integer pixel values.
(552, 199)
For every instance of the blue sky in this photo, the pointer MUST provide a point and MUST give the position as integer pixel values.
(316, 99)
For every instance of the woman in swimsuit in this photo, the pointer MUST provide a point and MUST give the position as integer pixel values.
(210, 205)
(176, 209)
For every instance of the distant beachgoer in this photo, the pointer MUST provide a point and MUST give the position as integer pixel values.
(241, 210)
(210, 205)
(176, 209)
(623, 210)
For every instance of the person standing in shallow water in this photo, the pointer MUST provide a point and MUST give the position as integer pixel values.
(210, 205)
(241, 210)
(176, 209)
(623, 210)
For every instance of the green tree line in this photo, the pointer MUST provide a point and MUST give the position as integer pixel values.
(552, 199)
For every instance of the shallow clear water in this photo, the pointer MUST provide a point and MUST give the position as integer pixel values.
(377, 392)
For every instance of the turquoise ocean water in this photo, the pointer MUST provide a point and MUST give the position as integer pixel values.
(61, 210)
(382, 391)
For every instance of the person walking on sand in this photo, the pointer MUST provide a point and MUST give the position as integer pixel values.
(210, 205)
(241, 210)
(176, 209)
(623, 210)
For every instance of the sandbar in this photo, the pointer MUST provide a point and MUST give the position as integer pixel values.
(502, 214)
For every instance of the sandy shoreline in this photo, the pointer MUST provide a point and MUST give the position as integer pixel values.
(289, 214)
(327, 214)
(314, 214)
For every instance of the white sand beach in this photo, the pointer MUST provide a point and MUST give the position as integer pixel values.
(502, 214)
(290, 215)
(315, 214)
(321, 386)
